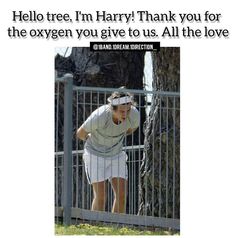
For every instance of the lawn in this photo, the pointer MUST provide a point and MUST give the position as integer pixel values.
(87, 229)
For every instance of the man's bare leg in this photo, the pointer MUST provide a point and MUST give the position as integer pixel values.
(119, 186)
(99, 193)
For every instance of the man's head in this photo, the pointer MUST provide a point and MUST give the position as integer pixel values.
(121, 104)
(122, 111)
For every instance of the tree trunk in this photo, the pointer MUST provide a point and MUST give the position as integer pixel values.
(160, 170)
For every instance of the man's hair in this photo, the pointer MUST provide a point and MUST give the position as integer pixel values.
(120, 95)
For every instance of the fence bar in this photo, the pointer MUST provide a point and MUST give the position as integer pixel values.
(77, 156)
(173, 211)
(67, 185)
(139, 152)
(145, 178)
(160, 167)
(153, 168)
(120, 218)
(74, 152)
(133, 91)
(167, 156)
(56, 146)
(83, 175)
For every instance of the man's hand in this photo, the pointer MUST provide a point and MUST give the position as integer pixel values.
(82, 134)
(130, 131)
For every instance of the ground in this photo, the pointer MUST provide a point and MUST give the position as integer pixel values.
(89, 229)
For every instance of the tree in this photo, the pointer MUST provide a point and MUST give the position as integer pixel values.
(160, 170)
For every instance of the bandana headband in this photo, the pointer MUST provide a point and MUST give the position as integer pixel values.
(122, 100)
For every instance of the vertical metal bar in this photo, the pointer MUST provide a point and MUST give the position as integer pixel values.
(127, 188)
(77, 155)
(167, 155)
(130, 177)
(146, 200)
(96, 156)
(173, 211)
(133, 175)
(153, 161)
(127, 191)
(56, 149)
(118, 183)
(98, 105)
(114, 195)
(106, 184)
(82, 168)
(72, 180)
(139, 152)
(160, 167)
(83, 104)
(67, 196)
(91, 110)
(129, 172)
(73, 157)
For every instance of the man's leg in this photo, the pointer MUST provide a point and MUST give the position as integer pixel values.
(99, 193)
(119, 186)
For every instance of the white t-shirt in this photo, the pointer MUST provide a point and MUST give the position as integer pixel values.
(106, 138)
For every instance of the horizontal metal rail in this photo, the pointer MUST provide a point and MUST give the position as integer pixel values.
(99, 89)
(121, 218)
(134, 91)
(74, 152)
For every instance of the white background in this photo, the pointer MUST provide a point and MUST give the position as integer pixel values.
(208, 121)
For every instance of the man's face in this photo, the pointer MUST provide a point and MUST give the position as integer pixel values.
(122, 111)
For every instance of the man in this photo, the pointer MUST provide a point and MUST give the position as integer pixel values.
(104, 132)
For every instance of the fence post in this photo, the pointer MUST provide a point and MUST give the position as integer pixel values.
(67, 180)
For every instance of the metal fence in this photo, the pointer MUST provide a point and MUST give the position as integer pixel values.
(73, 194)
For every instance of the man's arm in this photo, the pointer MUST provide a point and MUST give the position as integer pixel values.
(82, 134)
(130, 131)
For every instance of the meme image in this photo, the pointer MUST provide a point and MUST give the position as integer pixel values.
(117, 141)
(118, 118)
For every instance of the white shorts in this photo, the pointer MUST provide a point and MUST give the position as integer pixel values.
(99, 169)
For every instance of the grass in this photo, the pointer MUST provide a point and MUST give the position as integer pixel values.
(87, 229)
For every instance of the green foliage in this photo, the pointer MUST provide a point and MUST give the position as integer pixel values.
(86, 229)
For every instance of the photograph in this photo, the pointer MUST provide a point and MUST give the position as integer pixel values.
(94, 137)
(117, 141)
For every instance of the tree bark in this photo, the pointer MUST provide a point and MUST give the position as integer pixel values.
(160, 170)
